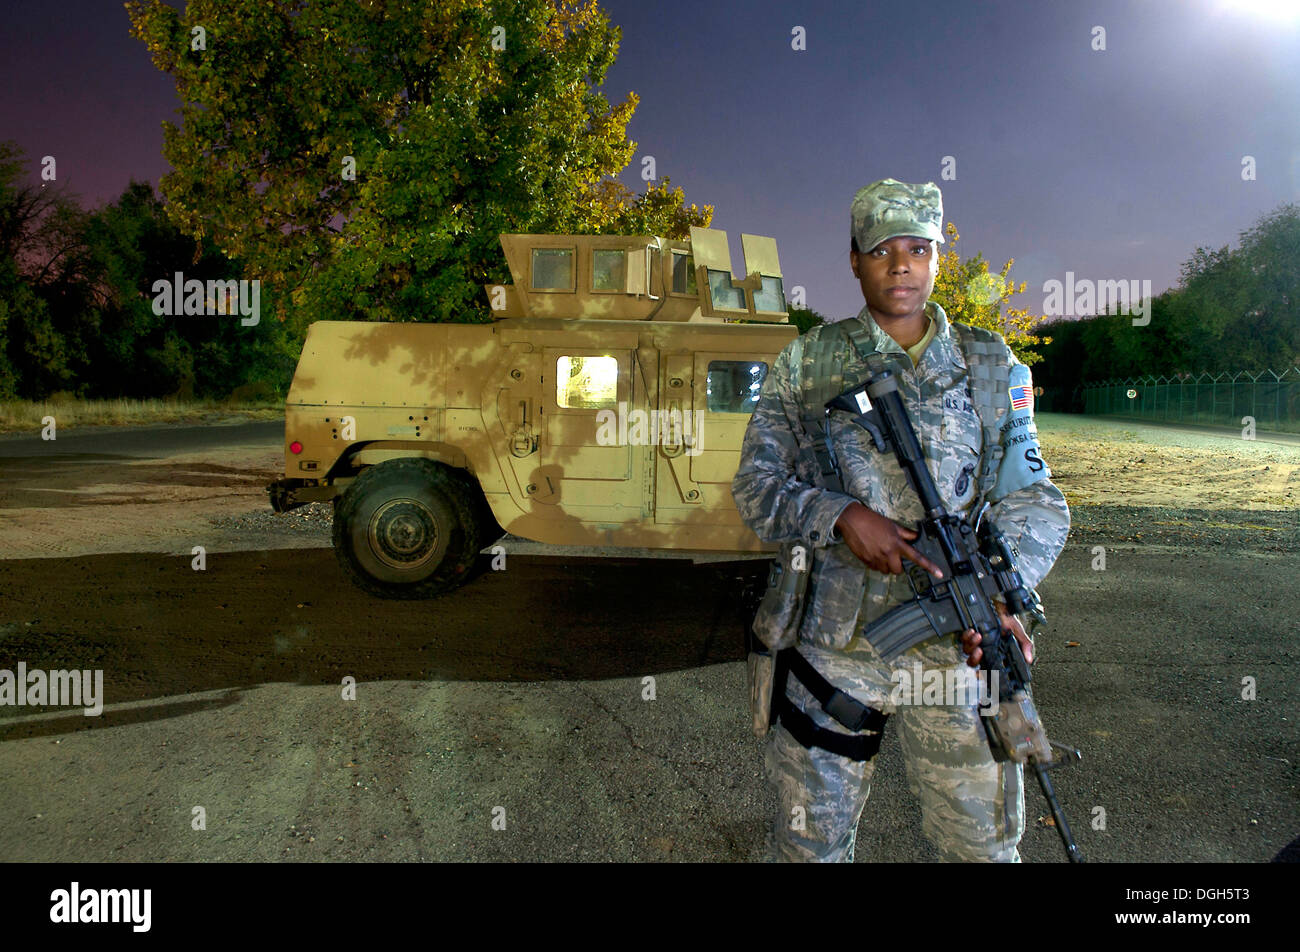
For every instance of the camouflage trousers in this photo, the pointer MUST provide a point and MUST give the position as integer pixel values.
(972, 807)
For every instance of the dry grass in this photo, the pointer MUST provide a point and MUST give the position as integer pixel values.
(25, 416)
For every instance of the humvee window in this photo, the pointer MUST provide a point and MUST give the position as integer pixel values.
(734, 385)
(771, 297)
(724, 295)
(683, 274)
(608, 267)
(552, 269)
(586, 383)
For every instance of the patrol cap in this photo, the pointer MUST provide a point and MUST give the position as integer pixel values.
(890, 208)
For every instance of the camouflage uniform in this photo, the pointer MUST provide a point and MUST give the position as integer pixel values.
(973, 807)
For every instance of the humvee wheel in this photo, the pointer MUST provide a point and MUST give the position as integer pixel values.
(406, 528)
(489, 530)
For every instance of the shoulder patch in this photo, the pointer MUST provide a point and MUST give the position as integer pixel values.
(1023, 463)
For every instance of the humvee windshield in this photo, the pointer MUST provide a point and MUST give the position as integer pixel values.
(771, 297)
(724, 295)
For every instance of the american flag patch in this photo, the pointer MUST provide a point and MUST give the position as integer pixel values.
(1022, 398)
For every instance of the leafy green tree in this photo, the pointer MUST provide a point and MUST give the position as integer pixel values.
(805, 318)
(140, 353)
(1234, 309)
(32, 358)
(1241, 308)
(76, 302)
(41, 259)
(971, 294)
(362, 157)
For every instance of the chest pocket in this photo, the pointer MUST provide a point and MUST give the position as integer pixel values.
(957, 478)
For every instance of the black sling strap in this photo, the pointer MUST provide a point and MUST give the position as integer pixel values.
(853, 714)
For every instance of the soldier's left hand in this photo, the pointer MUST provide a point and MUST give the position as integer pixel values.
(1011, 624)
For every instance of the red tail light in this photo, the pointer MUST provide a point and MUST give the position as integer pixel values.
(295, 447)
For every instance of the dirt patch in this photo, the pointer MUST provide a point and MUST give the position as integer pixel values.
(1106, 463)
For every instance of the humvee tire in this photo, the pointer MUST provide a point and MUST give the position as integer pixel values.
(489, 529)
(407, 528)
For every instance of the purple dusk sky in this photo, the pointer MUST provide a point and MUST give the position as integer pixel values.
(1111, 164)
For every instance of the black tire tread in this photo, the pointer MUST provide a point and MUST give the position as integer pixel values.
(462, 549)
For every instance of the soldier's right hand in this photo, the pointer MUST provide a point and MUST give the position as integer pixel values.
(879, 542)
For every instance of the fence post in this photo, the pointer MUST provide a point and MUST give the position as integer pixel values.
(1277, 402)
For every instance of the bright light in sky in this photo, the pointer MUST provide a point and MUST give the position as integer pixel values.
(1274, 10)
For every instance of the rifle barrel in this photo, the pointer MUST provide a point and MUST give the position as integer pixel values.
(1062, 827)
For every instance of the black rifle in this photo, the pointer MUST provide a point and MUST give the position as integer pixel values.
(978, 565)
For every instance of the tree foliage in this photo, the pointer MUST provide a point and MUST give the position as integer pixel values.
(76, 302)
(463, 118)
(805, 318)
(40, 263)
(1234, 310)
(971, 294)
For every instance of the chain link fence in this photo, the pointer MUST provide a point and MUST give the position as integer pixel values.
(1272, 399)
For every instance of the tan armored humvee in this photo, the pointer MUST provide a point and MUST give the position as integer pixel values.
(605, 406)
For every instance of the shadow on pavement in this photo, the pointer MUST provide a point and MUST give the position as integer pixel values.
(158, 629)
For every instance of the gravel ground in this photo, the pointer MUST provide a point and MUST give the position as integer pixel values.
(314, 518)
(1257, 530)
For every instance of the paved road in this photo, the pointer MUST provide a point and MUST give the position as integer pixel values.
(140, 442)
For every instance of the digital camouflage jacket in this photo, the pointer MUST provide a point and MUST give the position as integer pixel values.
(776, 489)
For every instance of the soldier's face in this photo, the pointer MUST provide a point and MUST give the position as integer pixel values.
(904, 262)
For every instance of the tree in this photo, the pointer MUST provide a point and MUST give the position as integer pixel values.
(76, 293)
(1240, 309)
(1233, 310)
(362, 157)
(139, 353)
(970, 294)
(41, 267)
(805, 318)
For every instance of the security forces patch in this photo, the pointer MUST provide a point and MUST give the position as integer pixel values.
(1023, 463)
(963, 480)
